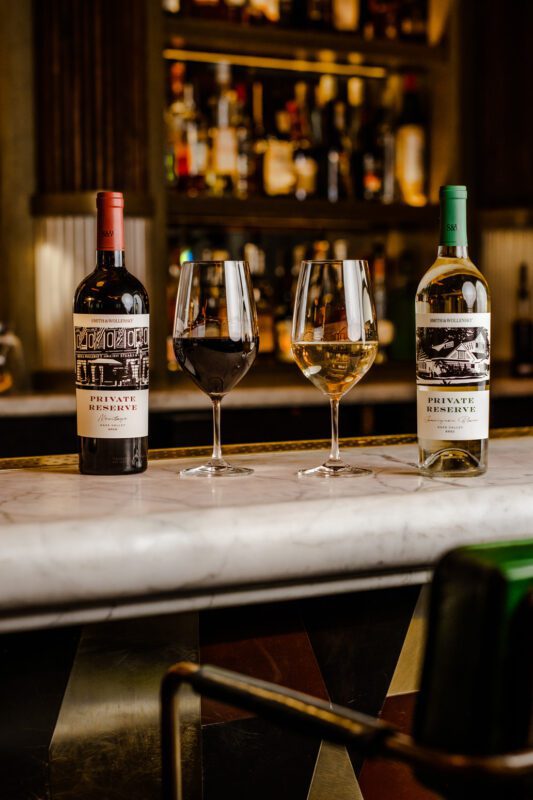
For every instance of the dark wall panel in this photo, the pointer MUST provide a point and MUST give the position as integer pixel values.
(502, 61)
(90, 95)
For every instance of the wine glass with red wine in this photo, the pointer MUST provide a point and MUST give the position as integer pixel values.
(215, 339)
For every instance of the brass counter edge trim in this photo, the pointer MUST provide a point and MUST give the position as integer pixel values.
(69, 460)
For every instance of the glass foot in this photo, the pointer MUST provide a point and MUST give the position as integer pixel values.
(215, 470)
(339, 470)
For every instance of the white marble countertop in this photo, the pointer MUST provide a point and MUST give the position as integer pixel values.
(75, 548)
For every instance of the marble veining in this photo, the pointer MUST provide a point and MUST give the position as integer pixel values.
(97, 546)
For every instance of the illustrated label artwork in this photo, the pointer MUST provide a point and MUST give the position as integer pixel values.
(452, 366)
(112, 375)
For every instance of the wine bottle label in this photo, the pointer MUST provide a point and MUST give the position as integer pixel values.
(452, 363)
(112, 374)
(452, 348)
(455, 415)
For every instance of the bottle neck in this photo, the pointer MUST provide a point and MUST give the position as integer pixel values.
(453, 233)
(452, 251)
(110, 259)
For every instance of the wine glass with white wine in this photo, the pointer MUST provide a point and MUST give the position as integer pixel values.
(334, 339)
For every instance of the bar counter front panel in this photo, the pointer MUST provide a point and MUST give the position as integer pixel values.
(86, 548)
(313, 584)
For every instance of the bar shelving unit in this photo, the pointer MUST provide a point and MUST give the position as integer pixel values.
(310, 51)
(290, 43)
(291, 214)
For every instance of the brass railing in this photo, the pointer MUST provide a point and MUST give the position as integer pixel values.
(333, 723)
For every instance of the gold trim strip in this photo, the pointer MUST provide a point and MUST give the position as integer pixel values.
(267, 62)
(71, 460)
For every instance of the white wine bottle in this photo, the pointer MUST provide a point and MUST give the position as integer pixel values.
(453, 352)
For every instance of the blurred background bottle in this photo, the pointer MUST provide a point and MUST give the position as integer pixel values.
(411, 146)
(523, 326)
(235, 134)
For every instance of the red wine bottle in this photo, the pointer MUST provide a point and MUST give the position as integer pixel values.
(111, 339)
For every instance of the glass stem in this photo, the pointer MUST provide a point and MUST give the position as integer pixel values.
(217, 445)
(334, 454)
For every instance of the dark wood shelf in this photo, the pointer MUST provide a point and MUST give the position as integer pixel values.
(62, 204)
(517, 218)
(290, 214)
(227, 37)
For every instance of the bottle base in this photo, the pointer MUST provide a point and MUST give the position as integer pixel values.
(88, 471)
(112, 456)
(449, 462)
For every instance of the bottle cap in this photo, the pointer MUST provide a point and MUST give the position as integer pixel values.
(454, 192)
(113, 199)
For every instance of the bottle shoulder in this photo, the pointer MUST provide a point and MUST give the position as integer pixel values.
(444, 268)
(111, 291)
(453, 285)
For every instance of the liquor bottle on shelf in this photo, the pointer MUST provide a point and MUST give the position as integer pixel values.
(244, 183)
(177, 257)
(381, 19)
(207, 9)
(453, 352)
(194, 149)
(340, 249)
(287, 13)
(413, 20)
(174, 122)
(171, 6)
(338, 163)
(283, 315)
(371, 152)
(345, 14)
(305, 164)
(411, 146)
(523, 327)
(224, 149)
(259, 140)
(321, 126)
(234, 10)
(279, 176)
(385, 326)
(259, 12)
(386, 139)
(111, 331)
(321, 250)
(14, 376)
(401, 307)
(319, 13)
(355, 92)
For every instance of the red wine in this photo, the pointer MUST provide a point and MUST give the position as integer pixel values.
(111, 335)
(216, 365)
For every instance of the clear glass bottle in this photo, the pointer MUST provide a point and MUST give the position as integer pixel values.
(410, 157)
(453, 352)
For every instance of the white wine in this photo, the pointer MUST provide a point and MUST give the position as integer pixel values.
(453, 352)
(334, 367)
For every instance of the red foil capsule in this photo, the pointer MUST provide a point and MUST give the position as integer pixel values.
(110, 221)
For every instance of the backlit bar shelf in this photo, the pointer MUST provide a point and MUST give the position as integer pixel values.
(283, 43)
(291, 214)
